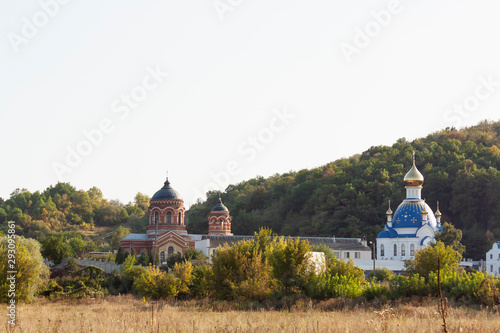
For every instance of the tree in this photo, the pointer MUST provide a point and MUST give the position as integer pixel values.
(144, 258)
(119, 234)
(340, 267)
(32, 273)
(288, 258)
(451, 236)
(426, 260)
(120, 257)
(239, 271)
(55, 249)
(194, 254)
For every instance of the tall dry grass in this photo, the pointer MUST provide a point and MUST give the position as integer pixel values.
(127, 314)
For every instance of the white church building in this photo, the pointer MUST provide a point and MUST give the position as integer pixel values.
(493, 259)
(412, 226)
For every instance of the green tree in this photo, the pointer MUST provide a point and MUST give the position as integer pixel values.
(288, 258)
(55, 249)
(32, 273)
(240, 271)
(194, 254)
(340, 267)
(426, 260)
(451, 236)
(119, 234)
(143, 258)
(120, 257)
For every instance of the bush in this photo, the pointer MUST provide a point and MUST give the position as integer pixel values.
(155, 284)
(332, 286)
(380, 274)
(340, 267)
(32, 274)
(202, 281)
(183, 272)
(376, 290)
(405, 286)
(488, 293)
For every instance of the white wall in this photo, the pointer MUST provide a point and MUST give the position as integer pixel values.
(493, 261)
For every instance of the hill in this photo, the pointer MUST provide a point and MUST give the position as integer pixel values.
(349, 197)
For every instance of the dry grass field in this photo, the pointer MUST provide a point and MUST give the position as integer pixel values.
(126, 314)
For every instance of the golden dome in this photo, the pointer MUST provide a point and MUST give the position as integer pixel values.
(414, 177)
(389, 211)
(438, 213)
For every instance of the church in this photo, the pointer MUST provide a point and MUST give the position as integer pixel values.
(412, 226)
(166, 232)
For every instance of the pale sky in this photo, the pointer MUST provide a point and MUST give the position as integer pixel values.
(115, 93)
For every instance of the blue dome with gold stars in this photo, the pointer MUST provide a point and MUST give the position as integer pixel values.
(409, 215)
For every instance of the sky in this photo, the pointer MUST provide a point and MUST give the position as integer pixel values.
(115, 94)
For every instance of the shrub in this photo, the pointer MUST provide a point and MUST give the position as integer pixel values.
(380, 274)
(488, 293)
(155, 284)
(331, 286)
(32, 274)
(182, 271)
(405, 286)
(202, 281)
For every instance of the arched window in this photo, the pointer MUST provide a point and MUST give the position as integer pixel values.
(412, 249)
(169, 217)
(395, 249)
(382, 250)
(156, 219)
(170, 250)
(403, 250)
(180, 218)
(162, 256)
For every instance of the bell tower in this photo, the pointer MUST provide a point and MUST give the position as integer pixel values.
(219, 221)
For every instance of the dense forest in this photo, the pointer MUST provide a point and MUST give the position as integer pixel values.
(345, 198)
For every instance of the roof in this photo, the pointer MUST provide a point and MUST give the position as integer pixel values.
(389, 233)
(166, 192)
(409, 214)
(332, 242)
(219, 207)
(136, 237)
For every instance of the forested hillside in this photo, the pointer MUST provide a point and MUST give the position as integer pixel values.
(84, 219)
(345, 198)
(349, 197)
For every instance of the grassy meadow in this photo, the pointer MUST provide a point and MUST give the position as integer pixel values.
(128, 314)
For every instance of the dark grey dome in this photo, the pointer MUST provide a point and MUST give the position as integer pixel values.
(219, 207)
(166, 192)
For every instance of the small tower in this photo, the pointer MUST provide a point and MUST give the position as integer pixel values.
(219, 221)
(389, 215)
(424, 214)
(166, 212)
(438, 216)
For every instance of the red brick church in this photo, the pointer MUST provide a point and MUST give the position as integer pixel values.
(166, 230)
